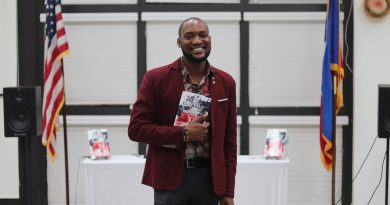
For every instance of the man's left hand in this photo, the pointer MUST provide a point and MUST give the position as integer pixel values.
(225, 200)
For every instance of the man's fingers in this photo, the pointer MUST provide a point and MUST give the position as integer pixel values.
(198, 119)
(198, 128)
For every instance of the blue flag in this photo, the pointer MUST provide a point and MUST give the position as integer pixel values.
(332, 76)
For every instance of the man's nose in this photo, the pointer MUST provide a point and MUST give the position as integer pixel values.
(197, 40)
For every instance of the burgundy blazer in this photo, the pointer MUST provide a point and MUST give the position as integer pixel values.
(152, 120)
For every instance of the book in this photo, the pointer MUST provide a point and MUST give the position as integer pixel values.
(98, 144)
(275, 144)
(190, 106)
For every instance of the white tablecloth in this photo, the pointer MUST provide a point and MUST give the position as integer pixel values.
(117, 181)
(260, 181)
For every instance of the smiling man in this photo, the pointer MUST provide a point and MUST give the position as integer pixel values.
(195, 164)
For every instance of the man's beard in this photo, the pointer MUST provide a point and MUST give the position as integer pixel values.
(191, 58)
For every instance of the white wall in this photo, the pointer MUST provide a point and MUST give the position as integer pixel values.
(9, 171)
(8, 42)
(371, 67)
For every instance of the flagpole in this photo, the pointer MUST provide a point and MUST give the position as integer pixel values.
(65, 140)
(66, 153)
(334, 143)
(387, 171)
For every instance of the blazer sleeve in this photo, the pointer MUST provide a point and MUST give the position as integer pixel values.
(231, 142)
(142, 127)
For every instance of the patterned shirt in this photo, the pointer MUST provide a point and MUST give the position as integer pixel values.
(198, 149)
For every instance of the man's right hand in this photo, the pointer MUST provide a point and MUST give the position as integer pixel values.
(198, 129)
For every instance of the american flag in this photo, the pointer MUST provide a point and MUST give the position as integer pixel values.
(56, 46)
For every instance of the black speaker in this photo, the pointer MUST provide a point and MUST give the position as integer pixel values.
(22, 111)
(384, 111)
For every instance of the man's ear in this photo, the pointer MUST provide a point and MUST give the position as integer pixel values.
(178, 42)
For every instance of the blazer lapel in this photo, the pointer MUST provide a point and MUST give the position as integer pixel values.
(215, 91)
(177, 79)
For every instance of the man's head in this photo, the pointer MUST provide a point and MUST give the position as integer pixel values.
(194, 39)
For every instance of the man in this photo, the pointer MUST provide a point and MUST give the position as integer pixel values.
(196, 164)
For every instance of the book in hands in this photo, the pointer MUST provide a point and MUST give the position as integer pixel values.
(190, 106)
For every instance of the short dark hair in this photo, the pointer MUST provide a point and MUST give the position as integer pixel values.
(190, 19)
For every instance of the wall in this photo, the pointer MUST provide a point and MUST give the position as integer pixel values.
(9, 172)
(371, 67)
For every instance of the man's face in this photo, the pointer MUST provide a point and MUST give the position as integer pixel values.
(194, 41)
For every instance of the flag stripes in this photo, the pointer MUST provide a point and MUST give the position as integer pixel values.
(56, 46)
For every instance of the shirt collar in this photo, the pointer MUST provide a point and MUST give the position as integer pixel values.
(185, 73)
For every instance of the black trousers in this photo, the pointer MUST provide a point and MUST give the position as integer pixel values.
(196, 189)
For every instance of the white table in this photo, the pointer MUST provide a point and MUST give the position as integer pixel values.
(118, 181)
(260, 181)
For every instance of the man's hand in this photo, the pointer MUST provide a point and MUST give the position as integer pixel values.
(198, 129)
(225, 200)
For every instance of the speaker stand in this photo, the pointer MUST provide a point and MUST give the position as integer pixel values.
(387, 170)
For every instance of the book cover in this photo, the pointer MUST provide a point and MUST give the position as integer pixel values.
(98, 144)
(275, 144)
(190, 106)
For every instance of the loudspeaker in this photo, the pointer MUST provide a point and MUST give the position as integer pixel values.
(22, 111)
(384, 111)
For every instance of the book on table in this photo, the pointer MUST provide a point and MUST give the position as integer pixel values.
(275, 144)
(98, 144)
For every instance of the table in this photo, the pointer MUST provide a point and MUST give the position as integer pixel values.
(260, 181)
(118, 181)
